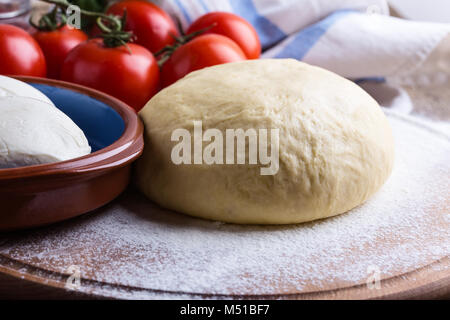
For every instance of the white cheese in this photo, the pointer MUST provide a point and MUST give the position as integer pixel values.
(12, 87)
(33, 132)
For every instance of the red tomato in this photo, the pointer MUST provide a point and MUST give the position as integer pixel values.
(131, 77)
(20, 53)
(233, 27)
(56, 45)
(153, 28)
(204, 51)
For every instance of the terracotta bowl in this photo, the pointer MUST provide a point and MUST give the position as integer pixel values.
(38, 195)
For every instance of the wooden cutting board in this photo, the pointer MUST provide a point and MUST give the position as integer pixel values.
(29, 278)
(423, 283)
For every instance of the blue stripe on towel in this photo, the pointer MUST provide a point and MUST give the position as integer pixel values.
(184, 11)
(307, 38)
(204, 6)
(370, 79)
(269, 33)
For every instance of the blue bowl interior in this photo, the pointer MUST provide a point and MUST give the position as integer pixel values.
(101, 124)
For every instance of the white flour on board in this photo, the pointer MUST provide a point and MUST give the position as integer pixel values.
(134, 243)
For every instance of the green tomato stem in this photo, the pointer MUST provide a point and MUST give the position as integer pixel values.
(113, 35)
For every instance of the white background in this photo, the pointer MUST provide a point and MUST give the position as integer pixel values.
(425, 10)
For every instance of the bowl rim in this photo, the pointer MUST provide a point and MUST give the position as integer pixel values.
(129, 145)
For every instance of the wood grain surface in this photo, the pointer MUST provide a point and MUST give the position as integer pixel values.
(423, 283)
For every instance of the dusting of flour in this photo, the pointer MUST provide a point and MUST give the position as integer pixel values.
(136, 244)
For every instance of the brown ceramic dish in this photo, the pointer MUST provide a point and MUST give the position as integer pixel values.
(38, 195)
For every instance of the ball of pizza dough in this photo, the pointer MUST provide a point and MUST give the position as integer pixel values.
(334, 148)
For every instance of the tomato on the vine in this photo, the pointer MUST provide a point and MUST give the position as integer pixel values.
(20, 53)
(233, 27)
(201, 52)
(129, 73)
(152, 27)
(56, 45)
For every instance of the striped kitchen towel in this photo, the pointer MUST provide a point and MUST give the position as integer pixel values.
(354, 38)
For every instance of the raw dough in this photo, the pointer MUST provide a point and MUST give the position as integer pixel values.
(335, 144)
(35, 132)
